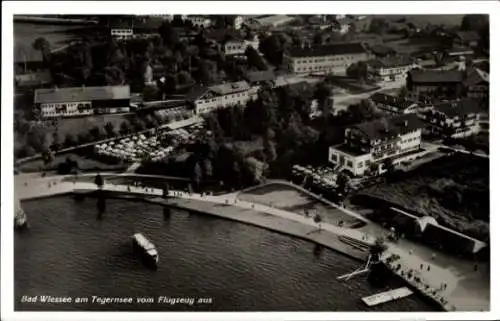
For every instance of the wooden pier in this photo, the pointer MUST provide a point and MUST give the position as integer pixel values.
(387, 296)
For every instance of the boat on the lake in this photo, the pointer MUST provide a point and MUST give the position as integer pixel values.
(146, 249)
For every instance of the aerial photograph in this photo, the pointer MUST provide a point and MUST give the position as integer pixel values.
(204, 163)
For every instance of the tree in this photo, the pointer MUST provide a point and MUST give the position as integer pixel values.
(110, 130)
(125, 128)
(96, 133)
(377, 249)
(207, 169)
(47, 156)
(318, 219)
(69, 140)
(114, 76)
(43, 46)
(56, 141)
(342, 183)
(197, 174)
(358, 70)
(254, 59)
(364, 111)
(378, 26)
(269, 150)
(99, 181)
(322, 92)
(184, 78)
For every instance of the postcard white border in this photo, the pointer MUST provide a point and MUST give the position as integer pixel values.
(221, 7)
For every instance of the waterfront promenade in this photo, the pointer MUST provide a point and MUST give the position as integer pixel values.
(466, 290)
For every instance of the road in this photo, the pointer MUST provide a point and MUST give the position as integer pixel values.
(429, 145)
(467, 289)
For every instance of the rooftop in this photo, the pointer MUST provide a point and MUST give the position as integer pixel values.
(468, 35)
(436, 76)
(229, 88)
(390, 127)
(391, 62)
(269, 20)
(77, 94)
(344, 148)
(398, 102)
(257, 76)
(328, 50)
(458, 108)
(476, 76)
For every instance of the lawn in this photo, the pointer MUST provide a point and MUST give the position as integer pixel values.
(291, 199)
(452, 189)
(82, 125)
(85, 163)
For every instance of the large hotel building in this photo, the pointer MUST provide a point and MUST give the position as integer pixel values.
(334, 58)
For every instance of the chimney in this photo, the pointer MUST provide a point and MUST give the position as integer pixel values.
(406, 123)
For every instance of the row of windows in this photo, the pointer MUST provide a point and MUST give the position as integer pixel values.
(83, 105)
(225, 97)
(335, 58)
(53, 113)
(321, 68)
(410, 140)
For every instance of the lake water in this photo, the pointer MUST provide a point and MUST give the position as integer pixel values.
(71, 250)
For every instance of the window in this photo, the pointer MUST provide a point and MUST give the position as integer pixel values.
(349, 164)
(367, 162)
(334, 158)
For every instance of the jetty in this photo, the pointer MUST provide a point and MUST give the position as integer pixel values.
(387, 296)
(360, 270)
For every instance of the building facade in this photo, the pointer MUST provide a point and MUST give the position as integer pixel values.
(334, 58)
(368, 145)
(390, 68)
(82, 101)
(208, 99)
(477, 84)
(455, 119)
(444, 82)
(394, 105)
(122, 33)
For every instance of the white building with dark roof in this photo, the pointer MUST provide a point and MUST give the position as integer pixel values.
(455, 119)
(82, 101)
(206, 99)
(368, 145)
(394, 105)
(334, 58)
(391, 68)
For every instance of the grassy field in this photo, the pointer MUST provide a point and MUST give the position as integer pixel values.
(85, 163)
(82, 125)
(452, 189)
(291, 199)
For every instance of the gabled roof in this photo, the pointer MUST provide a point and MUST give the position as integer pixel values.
(476, 76)
(196, 92)
(222, 89)
(390, 127)
(436, 76)
(458, 108)
(391, 62)
(393, 101)
(468, 35)
(328, 50)
(76, 94)
(257, 76)
(230, 88)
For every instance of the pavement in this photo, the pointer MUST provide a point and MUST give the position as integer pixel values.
(458, 274)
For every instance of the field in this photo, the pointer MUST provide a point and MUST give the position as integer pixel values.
(291, 199)
(26, 33)
(85, 163)
(82, 125)
(452, 189)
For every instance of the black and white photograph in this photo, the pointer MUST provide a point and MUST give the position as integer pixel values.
(273, 162)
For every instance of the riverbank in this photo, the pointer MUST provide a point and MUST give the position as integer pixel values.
(461, 283)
